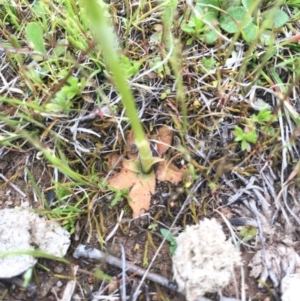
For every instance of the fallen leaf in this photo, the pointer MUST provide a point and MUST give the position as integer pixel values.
(141, 193)
(142, 186)
(113, 160)
(124, 179)
(167, 171)
(113, 285)
(133, 165)
(165, 135)
(131, 148)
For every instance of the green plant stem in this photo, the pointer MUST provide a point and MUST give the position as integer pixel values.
(106, 38)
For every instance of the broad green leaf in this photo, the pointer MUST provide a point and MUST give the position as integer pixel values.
(34, 34)
(210, 37)
(202, 6)
(187, 28)
(275, 20)
(247, 3)
(235, 16)
(198, 24)
(250, 32)
(226, 4)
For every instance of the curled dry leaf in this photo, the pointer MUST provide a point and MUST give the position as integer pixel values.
(165, 135)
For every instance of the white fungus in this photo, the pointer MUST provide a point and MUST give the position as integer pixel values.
(204, 260)
(290, 287)
(23, 230)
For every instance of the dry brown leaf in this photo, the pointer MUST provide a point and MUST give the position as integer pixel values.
(133, 165)
(113, 285)
(165, 135)
(169, 172)
(141, 194)
(131, 148)
(124, 179)
(113, 160)
(143, 186)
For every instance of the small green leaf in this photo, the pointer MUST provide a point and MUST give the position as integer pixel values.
(238, 131)
(167, 235)
(189, 41)
(187, 28)
(263, 116)
(173, 249)
(275, 21)
(130, 68)
(268, 130)
(248, 232)
(251, 137)
(208, 63)
(231, 21)
(170, 239)
(250, 32)
(34, 34)
(244, 145)
(210, 37)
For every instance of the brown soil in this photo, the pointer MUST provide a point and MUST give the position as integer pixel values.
(140, 244)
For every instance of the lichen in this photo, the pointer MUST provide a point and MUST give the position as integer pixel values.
(204, 260)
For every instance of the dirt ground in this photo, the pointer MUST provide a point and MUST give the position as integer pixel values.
(50, 277)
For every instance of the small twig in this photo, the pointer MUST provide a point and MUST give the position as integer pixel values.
(93, 253)
(21, 193)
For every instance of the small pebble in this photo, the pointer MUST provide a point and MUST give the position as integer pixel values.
(58, 269)
(76, 297)
(59, 283)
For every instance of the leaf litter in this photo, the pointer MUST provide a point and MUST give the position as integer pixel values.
(142, 186)
(268, 201)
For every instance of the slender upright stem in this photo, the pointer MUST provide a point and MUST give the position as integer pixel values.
(103, 32)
